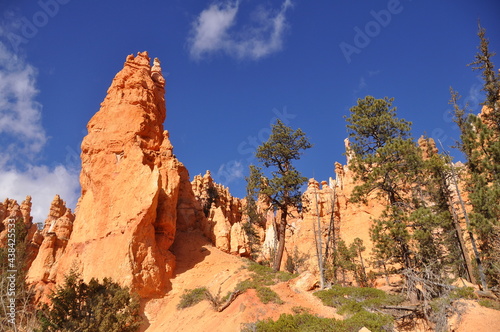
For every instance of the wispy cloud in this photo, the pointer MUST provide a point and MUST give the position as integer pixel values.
(42, 183)
(20, 114)
(363, 82)
(22, 139)
(215, 31)
(230, 172)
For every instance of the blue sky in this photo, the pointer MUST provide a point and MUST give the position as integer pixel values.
(231, 67)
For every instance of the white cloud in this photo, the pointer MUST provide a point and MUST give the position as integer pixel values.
(230, 172)
(20, 114)
(22, 139)
(214, 31)
(42, 184)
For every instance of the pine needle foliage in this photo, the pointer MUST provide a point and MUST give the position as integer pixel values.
(282, 187)
(92, 307)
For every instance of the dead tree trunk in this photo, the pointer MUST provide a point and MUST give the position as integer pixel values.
(480, 268)
(319, 245)
(468, 265)
(331, 238)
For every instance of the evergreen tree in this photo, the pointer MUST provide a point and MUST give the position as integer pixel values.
(385, 161)
(491, 78)
(92, 307)
(481, 146)
(480, 143)
(416, 228)
(254, 219)
(282, 187)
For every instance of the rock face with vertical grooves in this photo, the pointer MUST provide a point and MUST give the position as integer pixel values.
(48, 244)
(126, 215)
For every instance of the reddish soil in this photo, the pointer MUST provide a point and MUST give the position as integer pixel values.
(200, 264)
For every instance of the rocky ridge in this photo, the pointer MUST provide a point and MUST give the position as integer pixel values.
(136, 195)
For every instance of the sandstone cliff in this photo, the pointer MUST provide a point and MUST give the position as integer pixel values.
(48, 244)
(11, 210)
(222, 218)
(135, 195)
(126, 215)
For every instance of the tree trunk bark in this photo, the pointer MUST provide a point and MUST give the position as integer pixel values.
(363, 269)
(319, 246)
(463, 249)
(278, 256)
(480, 269)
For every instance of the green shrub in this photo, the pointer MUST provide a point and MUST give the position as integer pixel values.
(291, 323)
(488, 303)
(306, 322)
(463, 293)
(374, 322)
(267, 295)
(262, 276)
(300, 310)
(92, 307)
(357, 303)
(352, 300)
(247, 284)
(265, 276)
(192, 297)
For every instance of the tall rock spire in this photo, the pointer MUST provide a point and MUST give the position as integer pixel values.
(126, 215)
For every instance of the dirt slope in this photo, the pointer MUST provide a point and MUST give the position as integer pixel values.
(201, 264)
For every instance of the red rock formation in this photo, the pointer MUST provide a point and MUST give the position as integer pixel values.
(49, 243)
(9, 210)
(339, 218)
(222, 215)
(135, 194)
(126, 215)
(427, 146)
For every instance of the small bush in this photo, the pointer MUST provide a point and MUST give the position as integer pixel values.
(463, 293)
(352, 300)
(285, 276)
(300, 310)
(492, 304)
(99, 307)
(247, 284)
(267, 295)
(192, 297)
(357, 303)
(264, 275)
(292, 323)
(306, 322)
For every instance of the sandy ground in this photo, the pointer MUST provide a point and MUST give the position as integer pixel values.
(479, 319)
(200, 264)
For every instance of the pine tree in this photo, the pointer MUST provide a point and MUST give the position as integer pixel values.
(481, 146)
(415, 231)
(282, 187)
(254, 219)
(96, 306)
(491, 78)
(480, 143)
(386, 162)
